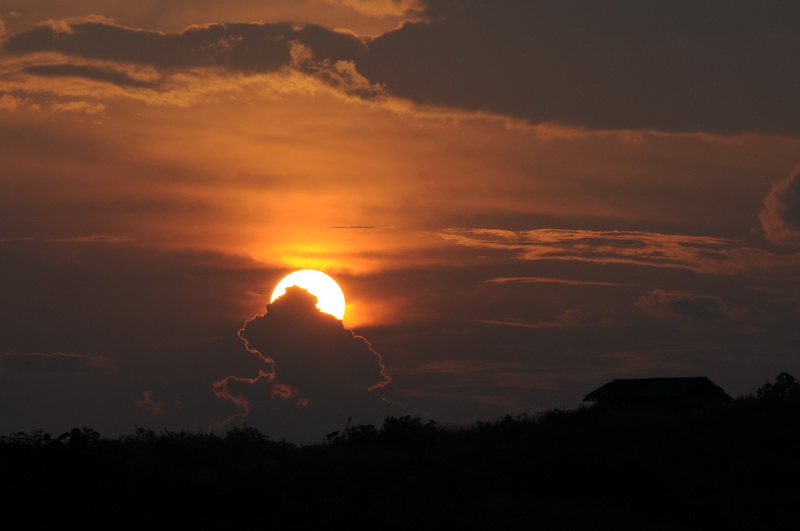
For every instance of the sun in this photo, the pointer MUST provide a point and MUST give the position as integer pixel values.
(330, 298)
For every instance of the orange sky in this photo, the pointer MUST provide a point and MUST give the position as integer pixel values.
(418, 174)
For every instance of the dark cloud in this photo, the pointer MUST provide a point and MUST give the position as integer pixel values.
(297, 336)
(717, 66)
(88, 72)
(240, 46)
(683, 305)
(317, 373)
(720, 66)
(780, 212)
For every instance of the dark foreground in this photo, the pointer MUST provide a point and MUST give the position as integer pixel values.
(734, 466)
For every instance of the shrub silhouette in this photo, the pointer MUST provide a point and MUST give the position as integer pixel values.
(729, 466)
(407, 428)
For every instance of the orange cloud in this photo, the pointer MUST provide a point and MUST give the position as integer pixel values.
(222, 390)
(380, 8)
(149, 404)
(367, 17)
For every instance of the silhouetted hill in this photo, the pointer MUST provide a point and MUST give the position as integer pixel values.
(732, 466)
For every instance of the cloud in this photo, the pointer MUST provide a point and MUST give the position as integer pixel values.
(339, 74)
(571, 318)
(107, 75)
(87, 107)
(102, 59)
(13, 103)
(314, 368)
(548, 280)
(149, 404)
(380, 8)
(683, 305)
(568, 65)
(41, 363)
(702, 254)
(720, 67)
(368, 17)
(294, 334)
(245, 47)
(780, 211)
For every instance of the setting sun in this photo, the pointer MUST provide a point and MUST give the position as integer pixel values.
(330, 298)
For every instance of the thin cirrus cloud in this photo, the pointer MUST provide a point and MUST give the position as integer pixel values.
(40, 363)
(546, 280)
(701, 254)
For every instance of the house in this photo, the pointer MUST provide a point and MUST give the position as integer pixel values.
(692, 391)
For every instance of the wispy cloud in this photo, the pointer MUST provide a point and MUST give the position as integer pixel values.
(549, 280)
(92, 238)
(52, 362)
(701, 254)
(381, 8)
(149, 404)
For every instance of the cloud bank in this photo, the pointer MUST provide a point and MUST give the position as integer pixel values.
(723, 66)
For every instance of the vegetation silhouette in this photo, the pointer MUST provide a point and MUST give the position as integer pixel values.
(785, 386)
(729, 466)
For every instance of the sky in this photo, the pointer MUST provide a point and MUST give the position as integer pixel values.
(520, 200)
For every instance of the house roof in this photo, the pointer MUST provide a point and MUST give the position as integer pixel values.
(659, 390)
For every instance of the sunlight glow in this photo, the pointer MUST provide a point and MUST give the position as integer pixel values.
(330, 298)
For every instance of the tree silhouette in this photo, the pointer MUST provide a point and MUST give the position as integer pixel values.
(785, 386)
